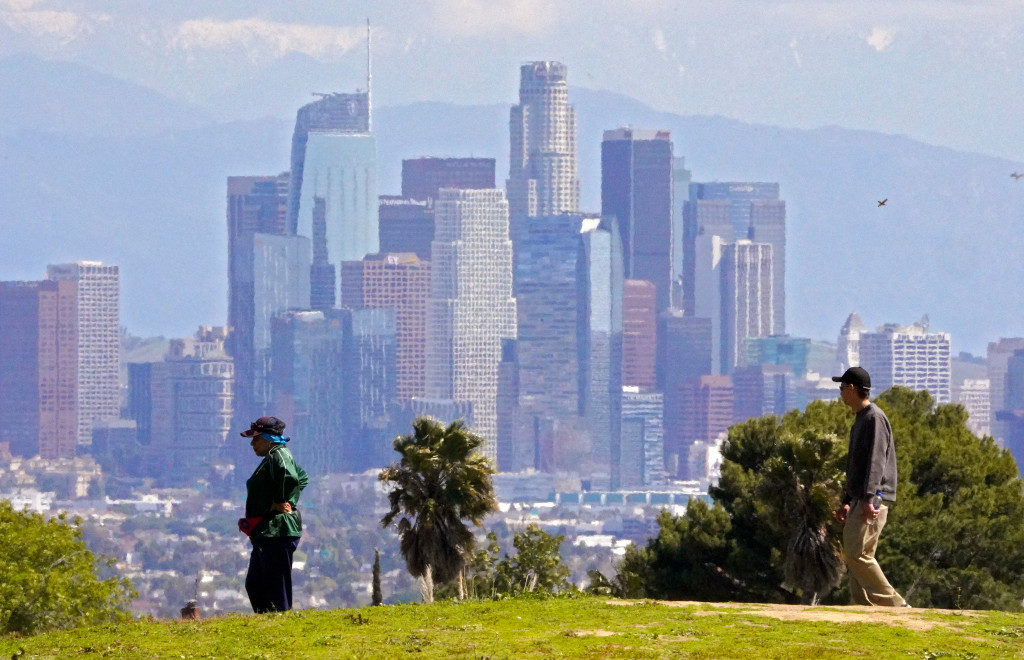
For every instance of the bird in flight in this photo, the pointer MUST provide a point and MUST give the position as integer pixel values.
(1016, 176)
(882, 203)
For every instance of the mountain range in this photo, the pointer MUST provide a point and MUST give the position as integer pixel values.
(96, 168)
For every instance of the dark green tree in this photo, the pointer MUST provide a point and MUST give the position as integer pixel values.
(953, 539)
(378, 598)
(536, 566)
(439, 483)
(49, 580)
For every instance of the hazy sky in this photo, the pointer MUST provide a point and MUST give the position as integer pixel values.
(943, 72)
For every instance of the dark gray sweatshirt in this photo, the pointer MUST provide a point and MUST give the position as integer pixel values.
(871, 461)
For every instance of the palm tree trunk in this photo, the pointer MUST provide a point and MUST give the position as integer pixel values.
(427, 585)
(462, 584)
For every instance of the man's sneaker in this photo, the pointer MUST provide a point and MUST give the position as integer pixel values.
(906, 604)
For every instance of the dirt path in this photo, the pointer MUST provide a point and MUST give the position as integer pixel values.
(913, 619)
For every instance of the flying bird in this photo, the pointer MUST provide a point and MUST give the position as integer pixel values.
(1016, 176)
(882, 203)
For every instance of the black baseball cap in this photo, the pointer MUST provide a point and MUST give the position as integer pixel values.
(855, 376)
(268, 425)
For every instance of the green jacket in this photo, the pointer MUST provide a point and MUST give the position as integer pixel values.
(277, 479)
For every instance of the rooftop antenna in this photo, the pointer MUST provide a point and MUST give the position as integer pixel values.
(369, 80)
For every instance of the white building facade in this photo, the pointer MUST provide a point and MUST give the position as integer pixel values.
(470, 308)
(909, 356)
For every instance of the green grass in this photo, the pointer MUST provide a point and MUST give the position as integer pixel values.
(586, 627)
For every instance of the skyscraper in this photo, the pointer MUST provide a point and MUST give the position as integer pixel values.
(747, 299)
(974, 397)
(98, 336)
(641, 460)
(423, 177)
(332, 196)
(997, 357)
(39, 367)
(599, 331)
(684, 355)
(406, 225)
(542, 154)
(400, 282)
(707, 412)
(909, 356)
(639, 334)
(736, 211)
(470, 309)
(636, 188)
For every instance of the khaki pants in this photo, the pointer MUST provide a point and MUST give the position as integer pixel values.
(868, 585)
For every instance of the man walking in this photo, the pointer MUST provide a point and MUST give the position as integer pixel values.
(870, 488)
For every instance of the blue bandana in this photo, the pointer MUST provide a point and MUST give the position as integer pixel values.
(279, 439)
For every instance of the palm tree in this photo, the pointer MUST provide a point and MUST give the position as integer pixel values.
(438, 484)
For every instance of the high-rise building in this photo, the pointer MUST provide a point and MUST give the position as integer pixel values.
(470, 309)
(908, 356)
(199, 375)
(406, 225)
(684, 355)
(848, 344)
(779, 349)
(636, 189)
(707, 412)
(747, 299)
(400, 282)
(641, 461)
(762, 389)
(681, 178)
(341, 113)
(998, 355)
(542, 178)
(735, 211)
(39, 367)
(423, 177)
(639, 334)
(98, 336)
(370, 388)
(973, 395)
(599, 333)
(269, 275)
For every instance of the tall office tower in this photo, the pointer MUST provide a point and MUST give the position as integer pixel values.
(599, 282)
(323, 275)
(998, 353)
(199, 374)
(736, 211)
(140, 400)
(762, 389)
(400, 282)
(642, 462)
(974, 397)
(309, 384)
(779, 349)
(639, 334)
(681, 178)
(545, 251)
(707, 301)
(333, 191)
(406, 225)
(1012, 413)
(747, 299)
(370, 388)
(98, 337)
(636, 188)
(423, 177)
(542, 177)
(470, 308)
(39, 367)
(684, 355)
(707, 412)
(512, 456)
(341, 113)
(908, 356)
(269, 275)
(848, 344)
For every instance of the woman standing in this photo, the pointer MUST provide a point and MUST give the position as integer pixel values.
(272, 520)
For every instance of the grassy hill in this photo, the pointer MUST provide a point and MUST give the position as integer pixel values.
(586, 627)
